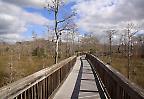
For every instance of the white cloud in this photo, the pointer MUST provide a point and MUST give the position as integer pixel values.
(14, 19)
(10, 37)
(27, 3)
(99, 15)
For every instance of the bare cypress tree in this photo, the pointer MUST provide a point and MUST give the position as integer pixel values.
(59, 24)
(11, 65)
(130, 34)
(70, 39)
(110, 34)
(73, 34)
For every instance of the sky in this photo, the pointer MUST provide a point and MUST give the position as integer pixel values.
(19, 18)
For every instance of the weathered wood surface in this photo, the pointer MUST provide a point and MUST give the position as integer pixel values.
(80, 84)
(88, 86)
(118, 86)
(39, 85)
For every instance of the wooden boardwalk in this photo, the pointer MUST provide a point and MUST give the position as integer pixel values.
(80, 83)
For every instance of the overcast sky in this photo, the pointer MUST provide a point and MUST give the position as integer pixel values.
(18, 18)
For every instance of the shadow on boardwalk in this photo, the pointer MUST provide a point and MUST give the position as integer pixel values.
(85, 87)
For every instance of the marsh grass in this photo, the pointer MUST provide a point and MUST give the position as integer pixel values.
(21, 68)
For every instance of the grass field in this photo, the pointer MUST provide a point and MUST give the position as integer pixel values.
(21, 68)
(13, 67)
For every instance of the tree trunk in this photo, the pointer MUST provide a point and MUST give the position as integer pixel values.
(129, 55)
(55, 29)
(57, 51)
(110, 57)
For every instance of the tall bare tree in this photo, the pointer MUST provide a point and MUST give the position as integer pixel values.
(11, 59)
(110, 34)
(60, 25)
(71, 37)
(122, 47)
(130, 33)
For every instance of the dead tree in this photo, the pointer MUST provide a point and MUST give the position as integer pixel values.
(11, 65)
(122, 43)
(71, 37)
(67, 43)
(110, 34)
(130, 34)
(19, 50)
(60, 25)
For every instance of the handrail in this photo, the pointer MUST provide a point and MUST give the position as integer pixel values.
(39, 85)
(118, 86)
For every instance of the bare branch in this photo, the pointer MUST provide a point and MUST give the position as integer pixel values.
(67, 18)
(132, 34)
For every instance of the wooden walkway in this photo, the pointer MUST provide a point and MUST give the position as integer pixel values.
(80, 83)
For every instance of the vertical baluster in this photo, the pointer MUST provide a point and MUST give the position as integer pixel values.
(64, 72)
(60, 75)
(32, 92)
(122, 93)
(125, 95)
(53, 87)
(29, 93)
(36, 91)
(43, 88)
(50, 85)
(25, 95)
(20, 96)
(54, 80)
(47, 88)
(57, 78)
(118, 91)
(40, 88)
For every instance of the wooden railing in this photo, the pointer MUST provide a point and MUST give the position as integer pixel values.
(40, 85)
(118, 86)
